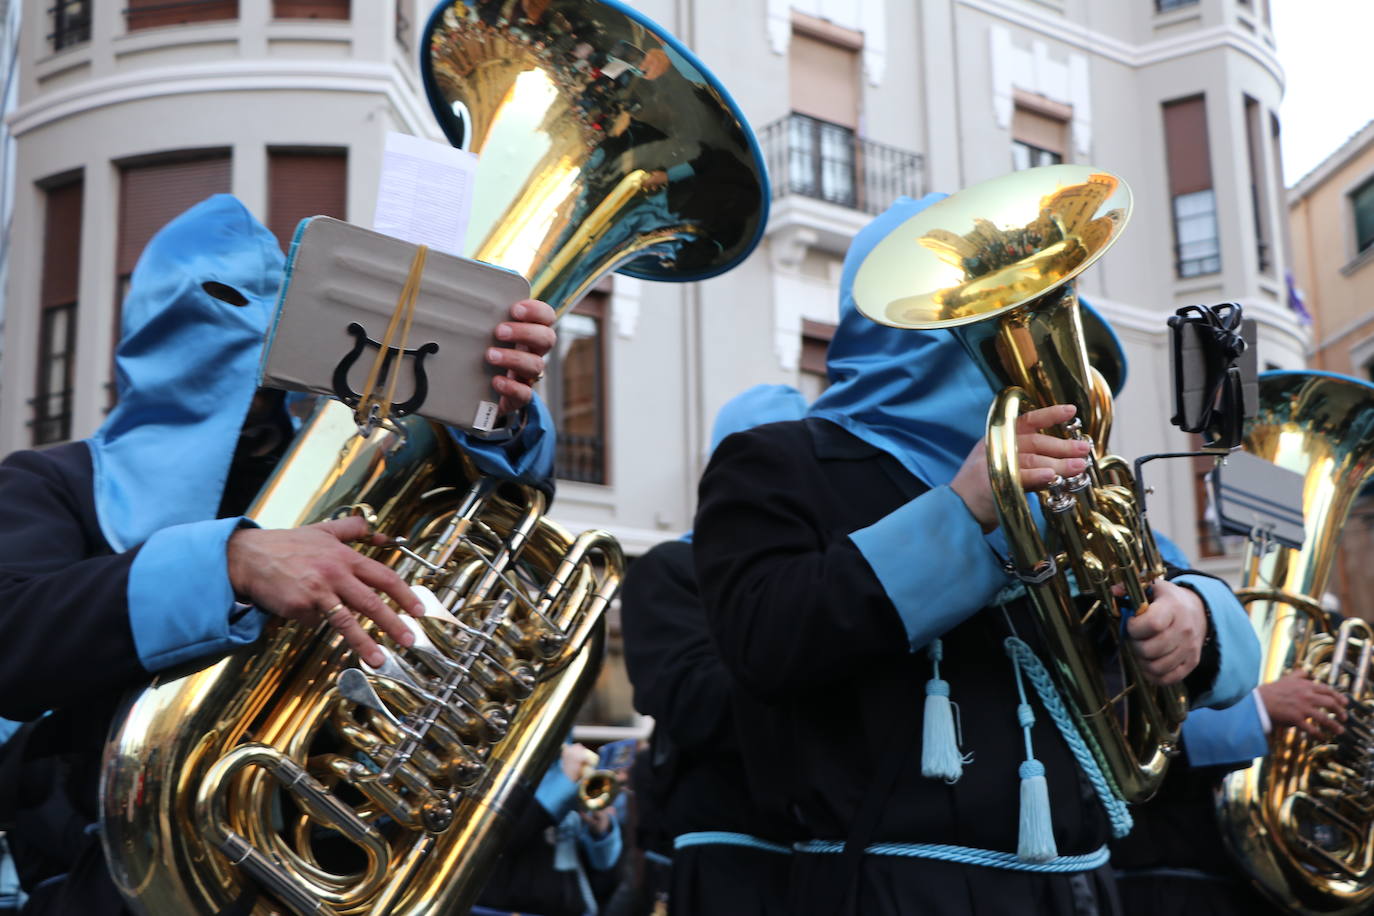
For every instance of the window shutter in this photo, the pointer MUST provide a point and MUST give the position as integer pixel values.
(310, 9)
(151, 195)
(151, 14)
(1185, 135)
(301, 184)
(62, 245)
(824, 80)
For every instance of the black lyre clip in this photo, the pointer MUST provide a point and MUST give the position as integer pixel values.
(344, 392)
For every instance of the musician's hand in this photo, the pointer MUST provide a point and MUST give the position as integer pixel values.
(312, 574)
(1297, 700)
(1168, 637)
(1043, 457)
(577, 761)
(530, 336)
(598, 822)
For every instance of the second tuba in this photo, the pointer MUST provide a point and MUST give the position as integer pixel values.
(1301, 819)
(995, 265)
(291, 778)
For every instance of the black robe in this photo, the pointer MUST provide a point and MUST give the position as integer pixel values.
(1175, 861)
(69, 647)
(696, 776)
(64, 621)
(802, 621)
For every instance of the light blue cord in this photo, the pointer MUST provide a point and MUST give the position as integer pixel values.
(726, 838)
(1117, 812)
(965, 855)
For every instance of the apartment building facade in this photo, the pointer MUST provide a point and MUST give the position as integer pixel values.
(128, 112)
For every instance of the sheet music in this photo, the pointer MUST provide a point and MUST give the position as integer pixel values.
(425, 194)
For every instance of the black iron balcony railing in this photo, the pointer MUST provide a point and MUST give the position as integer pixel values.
(581, 458)
(825, 161)
(52, 417)
(71, 23)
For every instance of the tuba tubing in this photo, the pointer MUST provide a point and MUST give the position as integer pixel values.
(1298, 819)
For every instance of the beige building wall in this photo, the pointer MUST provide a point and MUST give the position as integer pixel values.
(1337, 281)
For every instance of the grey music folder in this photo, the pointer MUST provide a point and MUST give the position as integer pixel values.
(341, 288)
(1256, 497)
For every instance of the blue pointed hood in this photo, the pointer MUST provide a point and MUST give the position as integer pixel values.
(186, 370)
(755, 407)
(913, 394)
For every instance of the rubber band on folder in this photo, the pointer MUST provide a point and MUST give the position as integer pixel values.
(372, 411)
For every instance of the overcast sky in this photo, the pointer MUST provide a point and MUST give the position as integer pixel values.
(1327, 50)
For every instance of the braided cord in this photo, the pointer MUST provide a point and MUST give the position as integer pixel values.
(965, 855)
(1107, 793)
(726, 838)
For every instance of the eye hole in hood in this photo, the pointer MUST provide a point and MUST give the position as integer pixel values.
(224, 293)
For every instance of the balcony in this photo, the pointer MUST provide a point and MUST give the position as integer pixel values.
(824, 161)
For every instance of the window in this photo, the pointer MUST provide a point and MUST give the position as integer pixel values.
(823, 65)
(822, 160)
(814, 378)
(151, 14)
(1163, 6)
(403, 37)
(71, 23)
(575, 389)
(1197, 243)
(1195, 228)
(52, 402)
(1039, 131)
(1362, 201)
(302, 183)
(310, 9)
(1259, 197)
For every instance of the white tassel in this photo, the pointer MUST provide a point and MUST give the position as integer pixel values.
(1035, 842)
(940, 757)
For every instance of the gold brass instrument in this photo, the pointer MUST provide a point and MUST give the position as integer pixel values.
(1301, 820)
(295, 773)
(995, 265)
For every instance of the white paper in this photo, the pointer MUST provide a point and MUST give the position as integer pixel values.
(425, 193)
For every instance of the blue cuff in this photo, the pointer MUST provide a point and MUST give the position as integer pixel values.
(1225, 737)
(933, 563)
(557, 794)
(527, 456)
(680, 171)
(181, 605)
(1238, 673)
(602, 853)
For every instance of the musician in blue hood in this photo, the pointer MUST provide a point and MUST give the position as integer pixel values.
(694, 806)
(854, 582)
(127, 554)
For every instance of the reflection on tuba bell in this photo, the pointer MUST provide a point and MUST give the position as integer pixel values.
(1301, 819)
(995, 265)
(293, 778)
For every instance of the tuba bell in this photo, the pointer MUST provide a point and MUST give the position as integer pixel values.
(1300, 820)
(290, 777)
(995, 265)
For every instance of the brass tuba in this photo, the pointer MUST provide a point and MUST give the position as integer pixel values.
(995, 265)
(1301, 819)
(290, 778)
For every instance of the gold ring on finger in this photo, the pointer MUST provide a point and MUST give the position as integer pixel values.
(329, 614)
